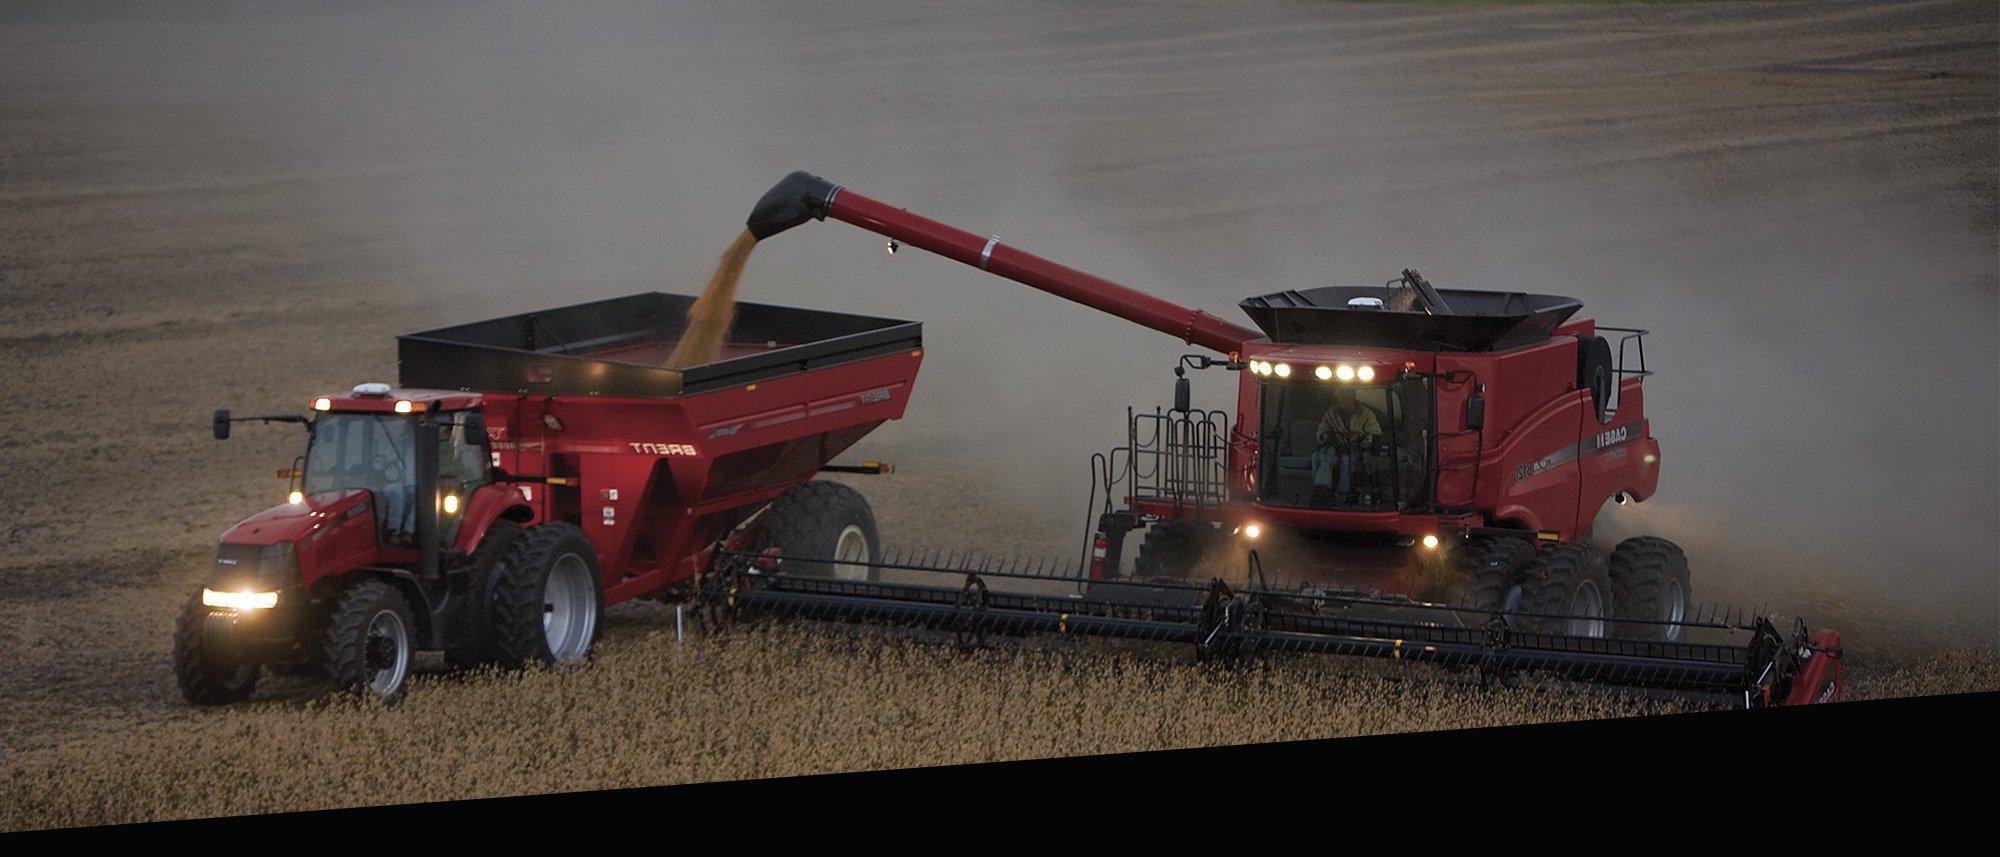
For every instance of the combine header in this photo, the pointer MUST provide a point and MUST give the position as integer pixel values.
(1422, 466)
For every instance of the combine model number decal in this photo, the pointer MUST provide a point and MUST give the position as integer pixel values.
(1595, 443)
(664, 449)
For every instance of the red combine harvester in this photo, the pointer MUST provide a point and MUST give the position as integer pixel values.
(533, 469)
(1424, 463)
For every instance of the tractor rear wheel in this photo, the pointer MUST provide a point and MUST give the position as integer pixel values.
(818, 521)
(476, 647)
(1173, 549)
(208, 674)
(547, 595)
(1487, 571)
(370, 642)
(1567, 584)
(1649, 582)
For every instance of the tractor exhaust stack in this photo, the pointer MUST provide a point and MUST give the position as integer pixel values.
(802, 196)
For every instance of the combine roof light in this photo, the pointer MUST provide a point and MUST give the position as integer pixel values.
(1323, 373)
(402, 406)
(1365, 373)
(322, 404)
(1282, 370)
(1346, 373)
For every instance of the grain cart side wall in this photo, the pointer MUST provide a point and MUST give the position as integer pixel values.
(652, 463)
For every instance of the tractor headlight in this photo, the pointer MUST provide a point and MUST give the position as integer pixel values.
(296, 497)
(1365, 373)
(239, 600)
(1251, 531)
(1430, 542)
(451, 504)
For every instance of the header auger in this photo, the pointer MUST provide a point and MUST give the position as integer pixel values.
(1423, 464)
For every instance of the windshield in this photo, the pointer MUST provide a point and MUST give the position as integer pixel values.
(370, 452)
(375, 452)
(1349, 447)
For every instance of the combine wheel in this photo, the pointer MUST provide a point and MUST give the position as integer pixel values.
(547, 594)
(1487, 571)
(821, 520)
(1593, 373)
(1649, 581)
(1569, 580)
(370, 641)
(1172, 549)
(207, 672)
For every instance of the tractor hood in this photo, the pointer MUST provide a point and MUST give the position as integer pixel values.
(290, 522)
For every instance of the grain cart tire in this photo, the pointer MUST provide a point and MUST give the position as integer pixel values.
(817, 521)
(1172, 549)
(208, 674)
(371, 641)
(1649, 581)
(1593, 373)
(1567, 579)
(547, 596)
(1488, 571)
(475, 649)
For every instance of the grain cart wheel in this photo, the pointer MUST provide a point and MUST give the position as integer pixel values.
(1593, 373)
(370, 641)
(1649, 580)
(1488, 571)
(1567, 579)
(821, 520)
(206, 670)
(476, 648)
(1172, 549)
(547, 594)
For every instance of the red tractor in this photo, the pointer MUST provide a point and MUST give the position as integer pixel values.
(531, 470)
(1433, 457)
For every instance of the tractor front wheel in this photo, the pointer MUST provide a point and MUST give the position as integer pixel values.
(1568, 589)
(547, 595)
(818, 521)
(370, 641)
(207, 670)
(1649, 583)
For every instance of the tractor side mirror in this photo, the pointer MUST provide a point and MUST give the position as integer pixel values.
(1475, 411)
(475, 430)
(222, 424)
(1182, 395)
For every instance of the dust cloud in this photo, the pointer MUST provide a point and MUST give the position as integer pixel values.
(1797, 199)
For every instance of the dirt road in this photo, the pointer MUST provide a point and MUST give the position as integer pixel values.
(203, 205)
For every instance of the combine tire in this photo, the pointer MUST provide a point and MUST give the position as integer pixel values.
(1568, 580)
(476, 648)
(1649, 581)
(370, 641)
(547, 595)
(1172, 549)
(207, 674)
(1487, 571)
(1593, 373)
(817, 521)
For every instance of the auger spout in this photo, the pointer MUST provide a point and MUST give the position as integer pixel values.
(802, 196)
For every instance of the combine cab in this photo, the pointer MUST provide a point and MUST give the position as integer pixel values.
(1409, 472)
(531, 470)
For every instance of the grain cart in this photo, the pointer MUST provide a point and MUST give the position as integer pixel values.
(528, 471)
(1418, 467)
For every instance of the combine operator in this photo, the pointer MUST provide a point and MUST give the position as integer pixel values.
(1346, 430)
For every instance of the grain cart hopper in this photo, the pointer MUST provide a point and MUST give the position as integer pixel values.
(1419, 467)
(530, 470)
